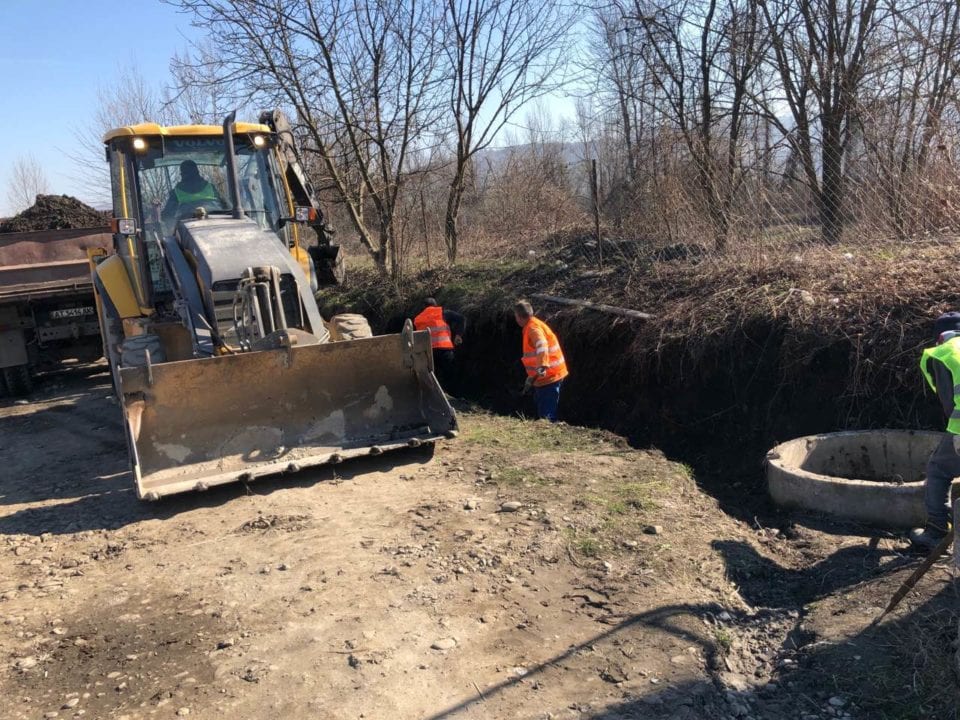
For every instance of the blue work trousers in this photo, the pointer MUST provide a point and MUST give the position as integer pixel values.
(547, 398)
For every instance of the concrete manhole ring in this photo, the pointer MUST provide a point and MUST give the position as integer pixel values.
(870, 476)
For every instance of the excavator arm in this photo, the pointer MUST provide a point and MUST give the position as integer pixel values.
(326, 255)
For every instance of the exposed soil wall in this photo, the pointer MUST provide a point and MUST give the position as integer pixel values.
(719, 411)
(717, 401)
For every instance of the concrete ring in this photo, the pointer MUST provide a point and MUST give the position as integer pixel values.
(871, 476)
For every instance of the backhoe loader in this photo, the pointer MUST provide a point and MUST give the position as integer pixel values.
(223, 365)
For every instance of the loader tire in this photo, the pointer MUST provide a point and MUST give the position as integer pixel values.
(17, 380)
(349, 326)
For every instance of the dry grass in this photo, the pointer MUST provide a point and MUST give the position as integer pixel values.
(532, 436)
(921, 679)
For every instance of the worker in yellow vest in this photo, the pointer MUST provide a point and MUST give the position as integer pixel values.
(446, 332)
(542, 359)
(191, 192)
(940, 366)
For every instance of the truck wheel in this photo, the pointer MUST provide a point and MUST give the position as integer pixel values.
(18, 380)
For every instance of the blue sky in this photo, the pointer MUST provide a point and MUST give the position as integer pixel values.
(55, 54)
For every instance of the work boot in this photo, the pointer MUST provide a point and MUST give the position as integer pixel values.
(925, 539)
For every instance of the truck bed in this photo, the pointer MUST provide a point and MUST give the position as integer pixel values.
(48, 262)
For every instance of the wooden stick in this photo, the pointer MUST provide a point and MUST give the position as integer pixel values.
(599, 307)
(914, 578)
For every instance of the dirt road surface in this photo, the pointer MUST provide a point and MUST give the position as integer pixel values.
(526, 571)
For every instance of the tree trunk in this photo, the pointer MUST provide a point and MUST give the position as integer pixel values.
(721, 225)
(830, 200)
(380, 257)
(451, 230)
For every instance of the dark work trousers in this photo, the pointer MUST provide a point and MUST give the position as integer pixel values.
(445, 370)
(942, 467)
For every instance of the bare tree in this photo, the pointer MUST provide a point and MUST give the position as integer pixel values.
(821, 50)
(360, 79)
(501, 55)
(703, 58)
(195, 95)
(903, 111)
(625, 92)
(130, 98)
(27, 180)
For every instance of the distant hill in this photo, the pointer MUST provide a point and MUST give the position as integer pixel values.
(496, 157)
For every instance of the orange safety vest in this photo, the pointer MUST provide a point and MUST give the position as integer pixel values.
(555, 364)
(432, 319)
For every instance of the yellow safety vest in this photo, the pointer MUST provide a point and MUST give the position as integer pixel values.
(207, 193)
(949, 354)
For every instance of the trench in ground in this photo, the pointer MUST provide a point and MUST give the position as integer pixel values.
(717, 408)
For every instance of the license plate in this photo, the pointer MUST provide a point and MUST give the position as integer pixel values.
(71, 312)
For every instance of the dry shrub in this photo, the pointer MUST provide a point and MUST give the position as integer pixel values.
(519, 204)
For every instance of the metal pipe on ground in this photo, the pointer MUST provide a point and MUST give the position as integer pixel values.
(598, 307)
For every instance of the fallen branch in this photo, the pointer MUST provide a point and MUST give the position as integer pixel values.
(599, 307)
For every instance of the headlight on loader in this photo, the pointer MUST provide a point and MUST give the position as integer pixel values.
(124, 226)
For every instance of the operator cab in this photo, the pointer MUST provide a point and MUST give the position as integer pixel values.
(163, 175)
(183, 174)
(199, 206)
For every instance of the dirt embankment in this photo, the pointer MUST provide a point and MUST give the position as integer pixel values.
(743, 352)
(55, 212)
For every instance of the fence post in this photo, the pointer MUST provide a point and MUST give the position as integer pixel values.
(595, 194)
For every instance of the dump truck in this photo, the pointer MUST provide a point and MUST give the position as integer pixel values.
(47, 306)
(224, 367)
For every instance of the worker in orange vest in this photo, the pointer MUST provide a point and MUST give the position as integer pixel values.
(542, 359)
(446, 332)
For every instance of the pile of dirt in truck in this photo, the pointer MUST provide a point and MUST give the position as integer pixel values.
(55, 212)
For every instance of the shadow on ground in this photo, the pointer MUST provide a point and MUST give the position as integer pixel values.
(65, 459)
(115, 504)
(873, 675)
(764, 583)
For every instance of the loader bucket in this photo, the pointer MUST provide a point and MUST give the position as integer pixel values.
(197, 423)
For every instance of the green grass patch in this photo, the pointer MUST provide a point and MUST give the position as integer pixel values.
(617, 507)
(516, 476)
(723, 639)
(584, 544)
(588, 546)
(532, 435)
(636, 496)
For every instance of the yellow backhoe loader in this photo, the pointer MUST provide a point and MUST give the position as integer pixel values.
(223, 365)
